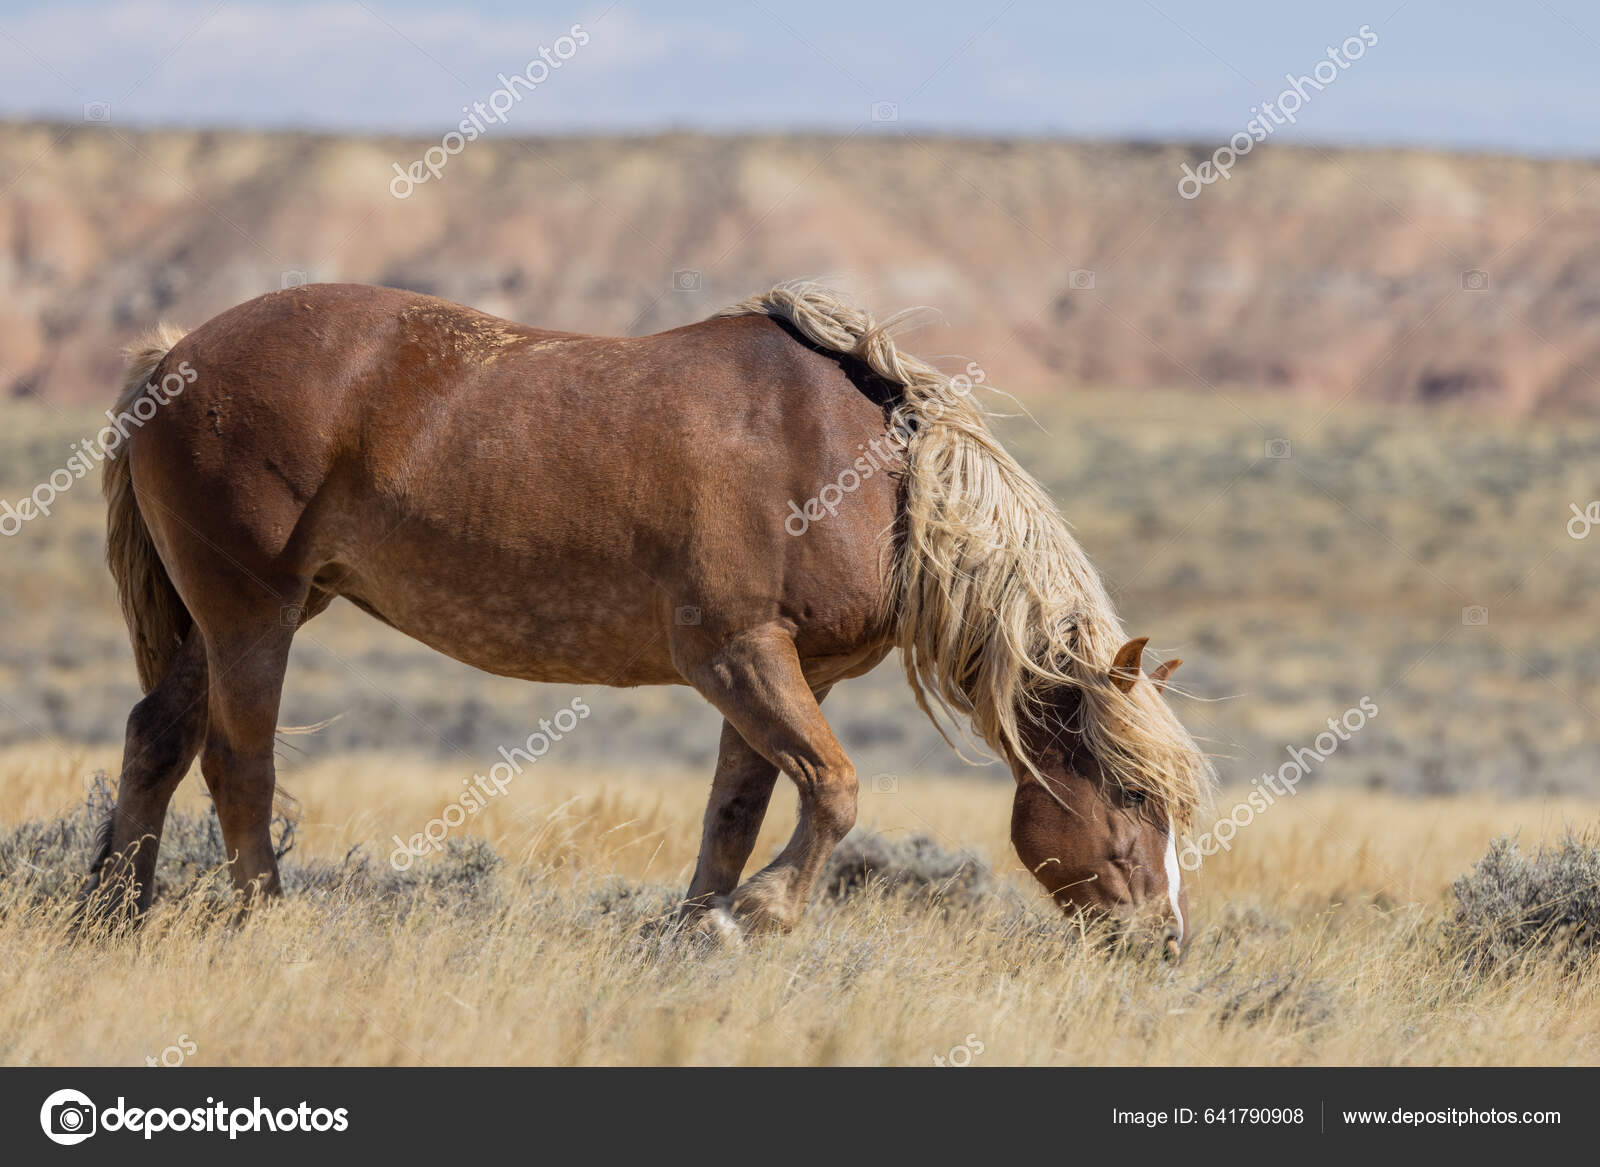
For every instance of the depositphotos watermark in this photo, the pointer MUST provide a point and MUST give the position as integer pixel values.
(491, 111)
(960, 1056)
(1269, 115)
(1584, 521)
(1284, 783)
(91, 451)
(174, 1055)
(71, 1116)
(481, 788)
(874, 457)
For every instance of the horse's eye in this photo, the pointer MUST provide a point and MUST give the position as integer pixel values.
(1134, 797)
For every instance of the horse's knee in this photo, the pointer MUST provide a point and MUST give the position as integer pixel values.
(834, 798)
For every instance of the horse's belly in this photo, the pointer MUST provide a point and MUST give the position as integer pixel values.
(519, 620)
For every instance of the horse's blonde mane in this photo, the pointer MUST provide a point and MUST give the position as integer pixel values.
(994, 603)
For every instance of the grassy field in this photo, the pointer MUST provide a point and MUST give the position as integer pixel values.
(1298, 561)
(1321, 939)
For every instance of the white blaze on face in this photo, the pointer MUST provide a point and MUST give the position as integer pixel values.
(1174, 874)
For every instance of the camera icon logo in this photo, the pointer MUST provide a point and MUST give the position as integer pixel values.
(885, 111)
(885, 784)
(1475, 616)
(1475, 281)
(687, 280)
(1279, 448)
(292, 615)
(687, 615)
(1081, 279)
(68, 1117)
(293, 278)
(97, 111)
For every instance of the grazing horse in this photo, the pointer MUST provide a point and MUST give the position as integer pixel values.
(759, 505)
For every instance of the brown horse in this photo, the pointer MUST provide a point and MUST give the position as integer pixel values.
(759, 505)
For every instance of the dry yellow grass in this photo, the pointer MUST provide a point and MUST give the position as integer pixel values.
(1317, 945)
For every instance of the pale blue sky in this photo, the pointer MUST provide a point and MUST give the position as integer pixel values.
(1473, 74)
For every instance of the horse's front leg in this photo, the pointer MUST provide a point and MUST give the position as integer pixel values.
(740, 792)
(755, 680)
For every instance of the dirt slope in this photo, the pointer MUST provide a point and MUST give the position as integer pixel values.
(1319, 273)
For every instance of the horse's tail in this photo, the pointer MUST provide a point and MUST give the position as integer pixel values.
(156, 618)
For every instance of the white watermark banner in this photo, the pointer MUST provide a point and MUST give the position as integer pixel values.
(491, 111)
(1274, 785)
(482, 789)
(90, 452)
(1282, 111)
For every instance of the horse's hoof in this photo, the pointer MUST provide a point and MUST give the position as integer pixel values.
(719, 926)
(762, 911)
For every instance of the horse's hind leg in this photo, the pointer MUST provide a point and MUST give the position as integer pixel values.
(248, 660)
(164, 734)
(756, 681)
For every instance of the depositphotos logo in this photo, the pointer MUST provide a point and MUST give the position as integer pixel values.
(70, 1116)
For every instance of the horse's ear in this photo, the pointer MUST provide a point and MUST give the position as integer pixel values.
(1125, 666)
(1165, 669)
